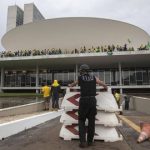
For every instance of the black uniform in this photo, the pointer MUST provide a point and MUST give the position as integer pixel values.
(87, 107)
(127, 100)
(55, 96)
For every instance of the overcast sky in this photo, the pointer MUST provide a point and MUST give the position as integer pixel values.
(135, 12)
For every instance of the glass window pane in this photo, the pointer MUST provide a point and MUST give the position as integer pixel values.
(125, 77)
(145, 77)
(49, 78)
(107, 77)
(114, 77)
(132, 77)
(96, 73)
(71, 76)
(101, 75)
(139, 76)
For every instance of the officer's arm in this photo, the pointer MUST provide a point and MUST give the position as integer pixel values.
(98, 81)
(73, 84)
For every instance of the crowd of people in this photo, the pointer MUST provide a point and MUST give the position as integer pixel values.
(84, 49)
(143, 47)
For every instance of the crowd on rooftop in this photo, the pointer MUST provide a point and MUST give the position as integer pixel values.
(84, 49)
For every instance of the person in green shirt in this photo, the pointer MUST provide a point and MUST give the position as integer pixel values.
(117, 97)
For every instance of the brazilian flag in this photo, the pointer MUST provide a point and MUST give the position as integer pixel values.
(148, 45)
(129, 40)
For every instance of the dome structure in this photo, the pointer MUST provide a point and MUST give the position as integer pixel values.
(71, 33)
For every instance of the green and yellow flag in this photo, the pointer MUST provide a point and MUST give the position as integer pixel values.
(129, 40)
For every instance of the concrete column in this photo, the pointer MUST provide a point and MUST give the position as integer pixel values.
(37, 78)
(120, 77)
(2, 79)
(76, 72)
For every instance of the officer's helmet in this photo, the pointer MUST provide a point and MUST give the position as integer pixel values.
(84, 67)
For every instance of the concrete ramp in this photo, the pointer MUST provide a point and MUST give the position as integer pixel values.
(13, 127)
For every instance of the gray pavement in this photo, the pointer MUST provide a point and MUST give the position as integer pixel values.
(46, 137)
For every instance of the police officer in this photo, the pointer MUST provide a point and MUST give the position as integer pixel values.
(87, 104)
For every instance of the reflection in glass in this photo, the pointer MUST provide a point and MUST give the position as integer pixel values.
(114, 77)
(125, 77)
(145, 77)
(101, 75)
(107, 77)
(27, 78)
(132, 77)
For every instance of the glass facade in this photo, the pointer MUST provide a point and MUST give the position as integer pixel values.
(130, 76)
(28, 78)
(0, 78)
(64, 77)
(136, 76)
(19, 17)
(45, 77)
(109, 76)
(20, 78)
(36, 14)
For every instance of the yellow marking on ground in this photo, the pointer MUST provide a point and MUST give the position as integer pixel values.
(130, 123)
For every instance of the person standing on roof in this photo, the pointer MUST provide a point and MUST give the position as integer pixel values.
(87, 104)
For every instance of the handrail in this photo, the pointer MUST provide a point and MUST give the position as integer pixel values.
(73, 55)
(78, 54)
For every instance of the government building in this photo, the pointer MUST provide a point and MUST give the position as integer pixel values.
(39, 50)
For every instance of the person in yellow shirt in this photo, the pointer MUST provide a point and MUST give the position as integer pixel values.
(46, 95)
(117, 97)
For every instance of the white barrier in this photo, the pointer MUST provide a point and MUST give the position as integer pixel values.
(108, 134)
(106, 120)
(103, 118)
(105, 101)
(71, 101)
(14, 127)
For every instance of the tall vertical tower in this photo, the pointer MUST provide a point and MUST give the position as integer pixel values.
(14, 17)
(31, 13)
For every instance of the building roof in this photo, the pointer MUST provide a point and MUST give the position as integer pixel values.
(69, 61)
(70, 33)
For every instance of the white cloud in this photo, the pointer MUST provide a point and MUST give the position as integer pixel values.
(132, 11)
